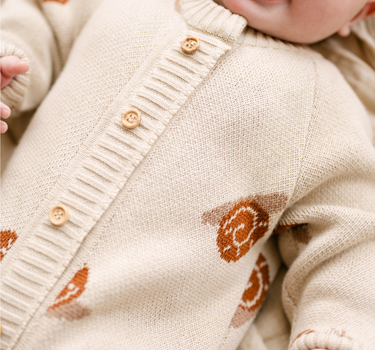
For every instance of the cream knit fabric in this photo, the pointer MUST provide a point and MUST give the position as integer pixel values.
(354, 56)
(168, 243)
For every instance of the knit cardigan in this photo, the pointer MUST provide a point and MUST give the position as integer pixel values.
(170, 238)
(354, 56)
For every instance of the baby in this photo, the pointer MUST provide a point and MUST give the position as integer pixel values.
(139, 208)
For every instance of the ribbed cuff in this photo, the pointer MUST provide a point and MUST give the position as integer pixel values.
(13, 93)
(331, 339)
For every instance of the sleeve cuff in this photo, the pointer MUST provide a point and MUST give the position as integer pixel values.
(12, 95)
(331, 339)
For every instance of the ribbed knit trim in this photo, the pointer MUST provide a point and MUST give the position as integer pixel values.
(325, 339)
(13, 94)
(94, 185)
(207, 16)
(252, 37)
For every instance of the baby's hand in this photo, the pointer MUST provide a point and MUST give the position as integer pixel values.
(9, 67)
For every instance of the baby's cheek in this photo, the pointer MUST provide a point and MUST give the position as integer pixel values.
(236, 6)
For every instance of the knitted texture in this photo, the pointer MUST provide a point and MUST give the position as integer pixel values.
(168, 242)
(354, 56)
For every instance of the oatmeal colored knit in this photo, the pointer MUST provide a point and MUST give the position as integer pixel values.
(169, 242)
(354, 56)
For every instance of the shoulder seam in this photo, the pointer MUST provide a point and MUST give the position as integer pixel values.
(308, 131)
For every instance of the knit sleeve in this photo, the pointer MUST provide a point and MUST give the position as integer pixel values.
(25, 33)
(328, 238)
(42, 33)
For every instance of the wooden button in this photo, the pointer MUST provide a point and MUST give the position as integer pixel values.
(58, 215)
(190, 45)
(131, 119)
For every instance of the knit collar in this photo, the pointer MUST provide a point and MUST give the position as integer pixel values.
(207, 16)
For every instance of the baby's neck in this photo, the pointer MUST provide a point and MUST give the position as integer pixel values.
(219, 2)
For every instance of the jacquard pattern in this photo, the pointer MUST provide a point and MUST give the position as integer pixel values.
(66, 305)
(243, 223)
(254, 294)
(240, 229)
(7, 239)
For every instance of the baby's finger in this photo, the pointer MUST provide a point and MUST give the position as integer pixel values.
(4, 111)
(12, 65)
(3, 127)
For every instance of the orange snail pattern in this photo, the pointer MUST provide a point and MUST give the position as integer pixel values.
(240, 229)
(65, 305)
(7, 239)
(60, 1)
(255, 292)
(243, 223)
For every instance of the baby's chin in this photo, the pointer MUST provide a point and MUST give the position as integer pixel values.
(268, 22)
